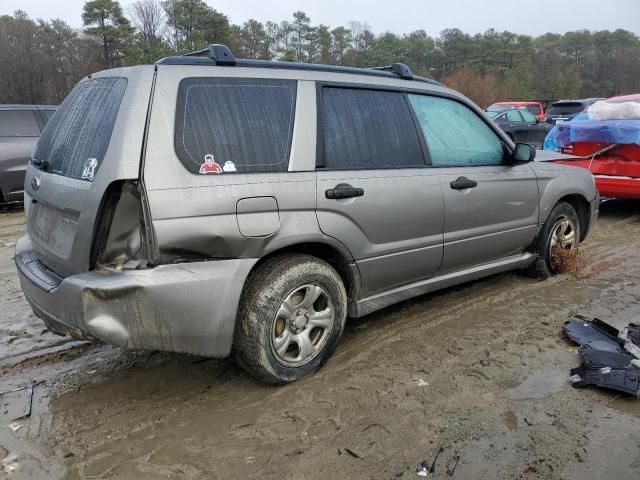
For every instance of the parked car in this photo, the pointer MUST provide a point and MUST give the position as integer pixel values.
(20, 127)
(567, 109)
(606, 141)
(271, 200)
(535, 108)
(521, 126)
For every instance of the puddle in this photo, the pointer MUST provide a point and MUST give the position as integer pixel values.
(540, 383)
(629, 405)
(510, 420)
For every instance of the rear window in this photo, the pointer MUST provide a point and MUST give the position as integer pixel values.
(234, 125)
(18, 123)
(567, 108)
(534, 109)
(369, 129)
(75, 141)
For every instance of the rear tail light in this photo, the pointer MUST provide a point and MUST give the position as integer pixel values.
(120, 237)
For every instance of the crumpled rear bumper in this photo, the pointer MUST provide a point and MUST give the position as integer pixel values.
(189, 307)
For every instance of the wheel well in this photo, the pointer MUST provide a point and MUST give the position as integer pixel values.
(580, 204)
(347, 269)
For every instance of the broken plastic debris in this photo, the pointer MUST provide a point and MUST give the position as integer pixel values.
(15, 426)
(575, 379)
(425, 468)
(352, 453)
(421, 383)
(608, 355)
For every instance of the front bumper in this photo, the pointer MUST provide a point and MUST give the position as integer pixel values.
(188, 307)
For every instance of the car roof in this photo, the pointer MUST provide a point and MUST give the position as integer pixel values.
(16, 106)
(634, 97)
(517, 103)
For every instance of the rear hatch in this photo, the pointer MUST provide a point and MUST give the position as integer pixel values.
(94, 139)
(561, 111)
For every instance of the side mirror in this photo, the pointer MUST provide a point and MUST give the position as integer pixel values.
(523, 153)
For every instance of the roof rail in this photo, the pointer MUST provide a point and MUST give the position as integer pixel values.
(399, 69)
(217, 54)
(221, 54)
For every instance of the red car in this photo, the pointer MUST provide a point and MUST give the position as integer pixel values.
(610, 149)
(536, 108)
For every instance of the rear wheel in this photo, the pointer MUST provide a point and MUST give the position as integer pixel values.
(560, 231)
(292, 314)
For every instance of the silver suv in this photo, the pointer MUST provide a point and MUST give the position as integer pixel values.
(207, 205)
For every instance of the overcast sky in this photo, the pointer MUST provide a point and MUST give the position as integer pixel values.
(531, 17)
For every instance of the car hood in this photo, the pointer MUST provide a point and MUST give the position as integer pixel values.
(551, 156)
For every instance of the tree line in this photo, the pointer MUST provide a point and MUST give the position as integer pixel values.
(43, 59)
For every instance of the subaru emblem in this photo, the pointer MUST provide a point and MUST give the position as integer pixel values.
(35, 183)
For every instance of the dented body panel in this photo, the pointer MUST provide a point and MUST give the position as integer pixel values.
(182, 308)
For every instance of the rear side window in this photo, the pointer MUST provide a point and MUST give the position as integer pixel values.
(528, 116)
(368, 129)
(18, 123)
(513, 116)
(75, 141)
(234, 125)
(455, 134)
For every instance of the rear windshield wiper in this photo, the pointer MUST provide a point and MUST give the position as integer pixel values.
(41, 164)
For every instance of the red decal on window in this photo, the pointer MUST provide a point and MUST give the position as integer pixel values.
(210, 165)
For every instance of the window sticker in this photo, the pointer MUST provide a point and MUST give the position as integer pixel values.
(89, 169)
(210, 165)
(229, 166)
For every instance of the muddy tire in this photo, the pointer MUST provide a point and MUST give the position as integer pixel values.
(291, 315)
(562, 220)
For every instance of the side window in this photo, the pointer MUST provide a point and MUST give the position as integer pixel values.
(368, 129)
(234, 125)
(513, 116)
(18, 123)
(455, 134)
(528, 116)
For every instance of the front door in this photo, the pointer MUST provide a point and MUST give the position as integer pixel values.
(491, 208)
(375, 192)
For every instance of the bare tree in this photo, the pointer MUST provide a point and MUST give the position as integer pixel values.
(149, 18)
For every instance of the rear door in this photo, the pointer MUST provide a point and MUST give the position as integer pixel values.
(375, 193)
(94, 139)
(536, 130)
(491, 208)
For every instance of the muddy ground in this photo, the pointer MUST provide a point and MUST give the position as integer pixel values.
(480, 370)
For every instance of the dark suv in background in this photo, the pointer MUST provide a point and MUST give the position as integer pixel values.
(567, 109)
(20, 127)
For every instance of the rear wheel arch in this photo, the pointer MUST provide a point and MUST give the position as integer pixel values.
(337, 258)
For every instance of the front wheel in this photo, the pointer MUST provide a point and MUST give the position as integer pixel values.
(291, 316)
(560, 232)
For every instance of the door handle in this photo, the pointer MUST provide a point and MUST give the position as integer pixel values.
(462, 183)
(343, 190)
